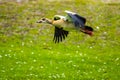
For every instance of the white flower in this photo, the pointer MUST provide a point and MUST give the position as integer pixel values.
(58, 75)
(117, 59)
(31, 41)
(76, 51)
(11, 69)
(70, 61)
(93, 66)
(6, 55)
(10, 50)
(12, 45)
(104, 63)
(32, 52)
(34, 60)
(83, 60)
(78, 46)
(3, 70)
(21, 51)
(23, 43)
(41, 67)
(63, 75)
(80, 54)
(54, 76)
(24, 62)
(98, 27)
(50, 76)
(105, 33)
(0, 56)
(31, 68)
(90, 47)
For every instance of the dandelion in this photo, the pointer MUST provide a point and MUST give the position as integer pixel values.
(10, 50)
(104, 63)
(12, 45)
(21, 51)
(104, 33)
(54, 76)
(31, 68)
(78, 46)
(41, 67)
(98, 27)
(85, 54)
(96, 57)
(50, 48)
(31, 41)
(11, 69)
(58, 52)
(3, 71)
(32, 52)
(81, 54)
(30, 74)
(24, 62)
(0, 56)
(51, 62)
(36, 75)
(6, 55)
(117, 59)
(63, 75)
(118, 64)
(9, 55)
(34, 60)
(91, 72)
(50, 76)
(99, 70)
(70, 61)
(90, 47)
(14, 54)
(17, 62)
(93, 66)
(76, 51)
(23, 43)
(56, 67)
(85, 73)
(78, 71)
(44, 43)
(83, 60)
(58, 75)
(39, 54)
(74, 65)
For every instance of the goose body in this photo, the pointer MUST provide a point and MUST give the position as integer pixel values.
(64, 24)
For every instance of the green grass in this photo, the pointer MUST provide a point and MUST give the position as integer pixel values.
(27, 51)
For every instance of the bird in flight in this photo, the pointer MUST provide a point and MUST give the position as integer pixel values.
(63, 24)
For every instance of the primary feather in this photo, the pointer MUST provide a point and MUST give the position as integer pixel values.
(78, 20)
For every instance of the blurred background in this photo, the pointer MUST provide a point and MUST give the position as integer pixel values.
(27, 50)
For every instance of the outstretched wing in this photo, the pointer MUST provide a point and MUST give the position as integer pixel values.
(59, 34)
(78, 20)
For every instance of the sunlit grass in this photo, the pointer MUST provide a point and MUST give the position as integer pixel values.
(27, 51)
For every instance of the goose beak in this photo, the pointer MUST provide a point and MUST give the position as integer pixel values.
(39, 21)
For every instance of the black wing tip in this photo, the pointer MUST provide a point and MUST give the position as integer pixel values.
(59, 35)
(89, 28)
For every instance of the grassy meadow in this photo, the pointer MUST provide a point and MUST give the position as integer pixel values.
(27, 50)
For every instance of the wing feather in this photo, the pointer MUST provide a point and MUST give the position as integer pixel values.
(59, 34)
(78, 20)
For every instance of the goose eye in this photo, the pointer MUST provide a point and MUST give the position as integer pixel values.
(43, 19)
